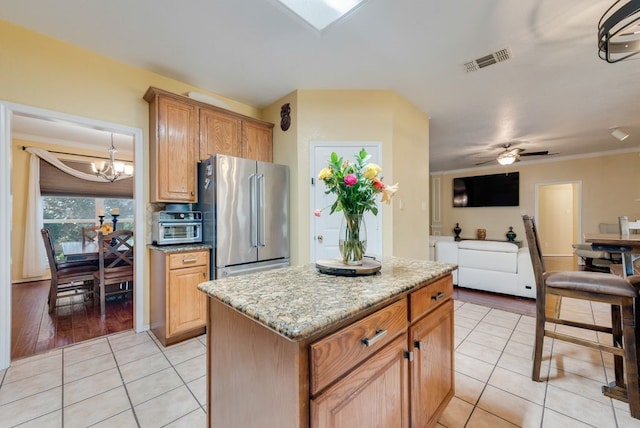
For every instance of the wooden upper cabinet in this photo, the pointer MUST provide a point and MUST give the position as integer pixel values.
(219, 133)
(173, 148)
(257, 141)
(184, 131)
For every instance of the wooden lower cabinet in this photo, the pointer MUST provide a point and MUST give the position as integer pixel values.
(377, 392)
(178, 309)
(373, 395)
(432, 374)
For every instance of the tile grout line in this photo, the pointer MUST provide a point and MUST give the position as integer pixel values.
(475, 405)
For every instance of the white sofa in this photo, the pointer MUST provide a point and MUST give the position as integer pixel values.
(499, 267)
(432, 244)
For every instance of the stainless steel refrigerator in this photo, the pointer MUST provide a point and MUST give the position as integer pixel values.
(245, 213)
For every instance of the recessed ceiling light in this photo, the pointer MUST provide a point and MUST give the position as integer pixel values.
(321, 13)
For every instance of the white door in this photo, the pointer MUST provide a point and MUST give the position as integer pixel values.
(324, 229)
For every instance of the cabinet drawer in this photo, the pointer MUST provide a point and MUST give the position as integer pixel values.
(427, 298)
(195, 258)
(336, 354)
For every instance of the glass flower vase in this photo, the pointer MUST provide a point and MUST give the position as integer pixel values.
(352, 239)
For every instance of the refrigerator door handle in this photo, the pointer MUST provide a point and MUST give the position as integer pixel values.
(253, 215)
(262, 219)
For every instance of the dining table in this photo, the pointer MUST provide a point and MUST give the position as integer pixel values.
(626, 245)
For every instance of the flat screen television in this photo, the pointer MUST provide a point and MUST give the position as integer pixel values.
(495, 190)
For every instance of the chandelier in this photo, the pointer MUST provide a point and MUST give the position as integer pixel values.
(619, 31)
(113, 169)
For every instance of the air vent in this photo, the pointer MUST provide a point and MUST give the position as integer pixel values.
(487, 60)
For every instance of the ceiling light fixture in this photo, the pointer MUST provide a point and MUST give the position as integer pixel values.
(619, 31)
(506, 158)
(112, 170)
(321, 13)
(620, 135)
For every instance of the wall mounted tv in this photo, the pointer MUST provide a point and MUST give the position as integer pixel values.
(496, 190)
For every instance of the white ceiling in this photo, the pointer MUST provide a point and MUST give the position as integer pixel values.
(553, 94)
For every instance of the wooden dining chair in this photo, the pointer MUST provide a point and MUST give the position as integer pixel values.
(595, 287)
(115, 265)
(90, 234)
(67, 279)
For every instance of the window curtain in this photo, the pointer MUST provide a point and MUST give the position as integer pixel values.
(67, 177)
(34, 259)
(55, 182)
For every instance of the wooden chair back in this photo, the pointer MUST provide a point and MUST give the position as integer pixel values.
(537, 260)
(115, 263)
(66, 277)
(90, 234)
(50, 248)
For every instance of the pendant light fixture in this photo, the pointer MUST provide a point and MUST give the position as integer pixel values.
(619, 31)
(112, 170)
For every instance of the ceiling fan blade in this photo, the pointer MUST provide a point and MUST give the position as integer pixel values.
(484, 162)
(542, 153)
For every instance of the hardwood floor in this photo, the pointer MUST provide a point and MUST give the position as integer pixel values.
(35, 330)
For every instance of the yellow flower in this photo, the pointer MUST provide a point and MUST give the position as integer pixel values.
(371, 171)
(107, 228)
(387, 193)
(325, 173)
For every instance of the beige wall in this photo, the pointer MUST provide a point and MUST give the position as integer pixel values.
(359, 115)
(610, 187)
(42, 72)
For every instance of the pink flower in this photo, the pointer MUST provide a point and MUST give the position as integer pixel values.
(350, 179)
(316, 213)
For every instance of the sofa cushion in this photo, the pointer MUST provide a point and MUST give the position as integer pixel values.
(498, 261)
(505, 247)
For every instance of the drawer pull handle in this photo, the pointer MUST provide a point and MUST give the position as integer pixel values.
(191, 260)
(379, 335)
(438, 296)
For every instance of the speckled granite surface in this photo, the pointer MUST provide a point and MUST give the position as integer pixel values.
(180, 248)
(299, 301)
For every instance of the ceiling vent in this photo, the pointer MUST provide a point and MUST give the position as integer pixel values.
(487, 60)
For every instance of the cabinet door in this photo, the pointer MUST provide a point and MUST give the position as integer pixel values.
(176, 145)
(257, 141)
(187, 306)
(219, 133)
(432, 371)
(373, 395)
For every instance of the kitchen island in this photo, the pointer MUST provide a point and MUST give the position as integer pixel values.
(293, 347)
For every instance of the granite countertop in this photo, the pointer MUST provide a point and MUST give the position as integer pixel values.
(298, 301)
(180, 248)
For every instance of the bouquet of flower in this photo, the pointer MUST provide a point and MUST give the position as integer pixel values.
(355, 186)
(106, 229)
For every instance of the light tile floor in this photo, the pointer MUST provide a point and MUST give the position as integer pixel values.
(131, 380)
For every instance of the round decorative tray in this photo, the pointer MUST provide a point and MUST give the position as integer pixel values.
(336, 267)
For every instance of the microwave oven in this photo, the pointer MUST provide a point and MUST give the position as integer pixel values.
(176, 227)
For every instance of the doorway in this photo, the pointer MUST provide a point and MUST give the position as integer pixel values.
(7, 111)
(324, 229)
(558, 217)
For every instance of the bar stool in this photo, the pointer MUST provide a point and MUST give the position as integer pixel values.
(597, 287)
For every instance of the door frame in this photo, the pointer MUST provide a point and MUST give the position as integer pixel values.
(577, 215)
(336, 143)
(7, 110)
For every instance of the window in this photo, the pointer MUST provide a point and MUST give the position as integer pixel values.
(65, 216)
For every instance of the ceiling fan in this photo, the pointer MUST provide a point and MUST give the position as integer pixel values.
(510, 155)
